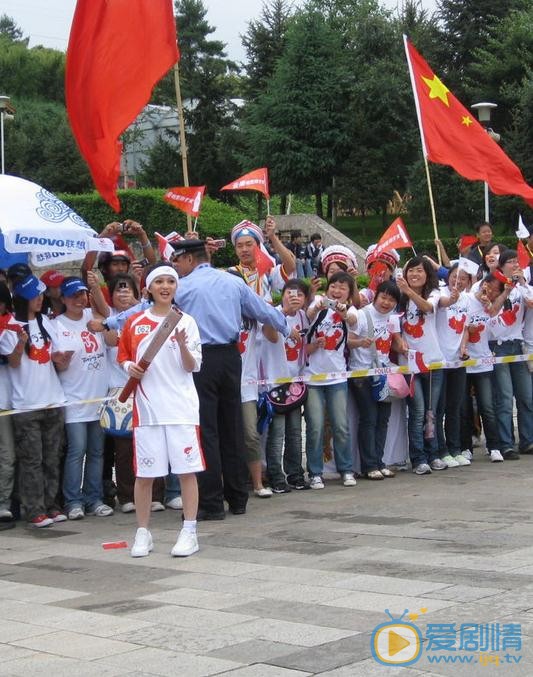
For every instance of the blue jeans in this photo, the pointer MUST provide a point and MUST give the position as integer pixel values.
(285, 428)
(82, 487)
(425, 397)
(512, 380)
(172, 487)
(483, 390)
(333, 399)
(452, 394)
(373, 422)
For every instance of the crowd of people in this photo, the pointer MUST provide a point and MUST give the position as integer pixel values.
(207, 417)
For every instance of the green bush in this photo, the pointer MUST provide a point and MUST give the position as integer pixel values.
(146, 205)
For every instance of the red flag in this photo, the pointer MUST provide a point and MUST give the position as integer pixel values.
(395, 237)
(263, 261)
(164, 244)
(452, 136)
(117, 52)
(186, 198)
(523, 255)
(256, 180)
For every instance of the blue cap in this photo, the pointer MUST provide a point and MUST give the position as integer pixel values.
(72, 285)
(29, 288)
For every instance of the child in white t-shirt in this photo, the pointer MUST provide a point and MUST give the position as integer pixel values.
(329, 318)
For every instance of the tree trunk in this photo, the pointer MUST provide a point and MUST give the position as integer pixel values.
(333, 203)
(329, 207)
(259, 205)
(318, 205)
(283, 204)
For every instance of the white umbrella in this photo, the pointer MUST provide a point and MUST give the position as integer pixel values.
(34, 221)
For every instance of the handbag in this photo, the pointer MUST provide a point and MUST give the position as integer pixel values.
(385, 387)
(287, 397)
(116, 417)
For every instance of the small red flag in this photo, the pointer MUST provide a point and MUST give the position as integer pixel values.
(395, 237)
(117, 51)
(164, 244)
(523, 255)
(452, 136)
(256, 180)
(186, 198)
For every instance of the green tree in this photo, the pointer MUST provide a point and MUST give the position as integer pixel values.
(10, 31)
(39, 146)
(298, 126)
(264, 42)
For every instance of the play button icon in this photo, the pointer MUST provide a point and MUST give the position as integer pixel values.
(396, 643)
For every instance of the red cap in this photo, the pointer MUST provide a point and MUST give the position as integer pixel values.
(52, 278)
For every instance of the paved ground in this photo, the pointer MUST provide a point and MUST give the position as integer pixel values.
(293, 588)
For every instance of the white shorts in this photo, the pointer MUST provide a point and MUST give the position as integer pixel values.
(156, 447)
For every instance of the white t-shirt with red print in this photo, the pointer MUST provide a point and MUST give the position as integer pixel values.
(247, 345)
(35, 383)
(451, 322)
(508, 323)
(363, 358)
(528, 315)
(166, 394)
(419, 329)
(86, 377)
(287, 356)
(330, 358)
(478, 336)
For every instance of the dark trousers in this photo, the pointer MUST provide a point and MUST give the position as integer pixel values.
(373, 423)
(218, 384)
(449, 412)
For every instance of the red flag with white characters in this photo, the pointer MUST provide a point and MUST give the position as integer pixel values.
(164, 244)
(256, 180)
(523, 255)
(117, 52)
(186, 198)
(395, 237)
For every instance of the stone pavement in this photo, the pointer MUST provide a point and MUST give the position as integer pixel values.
(293, 588)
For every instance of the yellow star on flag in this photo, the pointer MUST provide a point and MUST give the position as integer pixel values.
(467, 120)
(437, 89)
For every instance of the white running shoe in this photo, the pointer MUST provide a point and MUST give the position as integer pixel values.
(264, 492)
(143, 543)
(495, 456)
(101, 510)
(316, 482)
(422, 469)
(468, 455)
(348, 479)
(128, 507)
(157, 506)
(175, 503)
(450, 461)
(461, 460)
(438, 464)
(187, 544)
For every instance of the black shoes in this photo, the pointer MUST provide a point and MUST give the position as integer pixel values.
(204, 515)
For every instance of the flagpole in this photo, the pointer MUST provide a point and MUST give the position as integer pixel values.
(183, 142)
(423, 142)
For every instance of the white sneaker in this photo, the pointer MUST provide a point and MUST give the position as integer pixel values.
(6, 515)
(450, 461)
(468, 455)
(438, 464)
(495, 456)
(175, 503)
(348, 479)
(422, 469)
(76, 513)
(101, 510)
(157, 506)
(143, 543)
(461, 460)
(316, 482)
(264, 492)
(128, 507)
(187, 544)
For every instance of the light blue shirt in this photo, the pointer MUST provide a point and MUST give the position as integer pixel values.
(217, 301)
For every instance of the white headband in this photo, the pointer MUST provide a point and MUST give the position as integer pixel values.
(161, 270)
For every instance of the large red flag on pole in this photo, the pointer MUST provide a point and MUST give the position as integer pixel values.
(186, 198)
(117, 51)
(452, 136)
(256, 180)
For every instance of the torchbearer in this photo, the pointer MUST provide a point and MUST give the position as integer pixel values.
(166, 408)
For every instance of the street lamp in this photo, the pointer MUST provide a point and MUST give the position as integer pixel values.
(484, 111)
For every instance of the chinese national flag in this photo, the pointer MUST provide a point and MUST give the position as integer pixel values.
(523, 255)
(256, 180)
(117, 51)
(452, 136)
(395, 237)
(186, 198)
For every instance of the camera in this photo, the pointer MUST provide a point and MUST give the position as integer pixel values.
(123, 227)
(219, 244)
(122, 285)
(330, 303)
